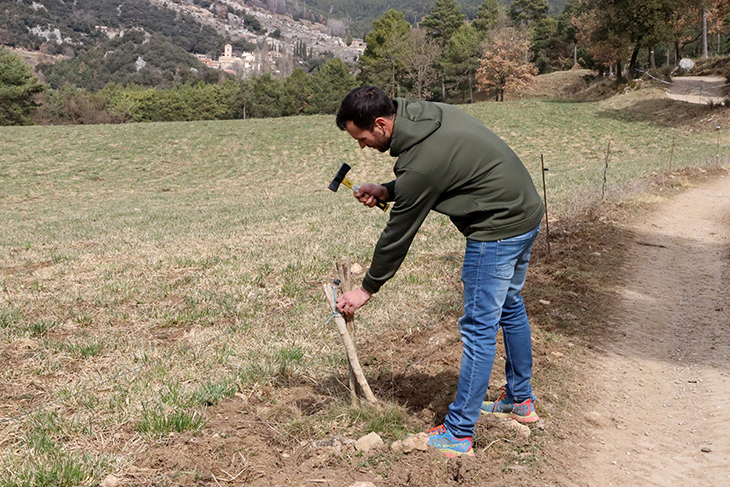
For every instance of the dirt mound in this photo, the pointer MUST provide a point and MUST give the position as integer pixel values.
(560, 84)
(712, 66)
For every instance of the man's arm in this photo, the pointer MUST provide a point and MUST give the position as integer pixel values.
(415, 196)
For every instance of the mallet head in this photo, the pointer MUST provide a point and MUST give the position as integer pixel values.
(339, 177)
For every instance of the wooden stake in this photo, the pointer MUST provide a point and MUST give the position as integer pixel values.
(544, 194)
(717, 154)
(343, 269)
(605, 170)
(349, 348)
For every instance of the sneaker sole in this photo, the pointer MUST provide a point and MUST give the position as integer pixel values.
(452, 454)
(497, 415)
(532, 418)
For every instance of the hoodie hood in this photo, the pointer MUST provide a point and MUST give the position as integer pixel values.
(414, 121)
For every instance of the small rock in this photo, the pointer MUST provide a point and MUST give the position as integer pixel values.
(557, 354)
(356, 268)
(335, 443)
(523, 431)
(110, 481)
(367, 443)
(596, 419)
(543, 301)
(410, 444)
(362, 484)
(706, 449)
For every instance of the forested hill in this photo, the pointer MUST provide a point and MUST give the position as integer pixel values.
(152, 42)
(360, 13)
(87, 33)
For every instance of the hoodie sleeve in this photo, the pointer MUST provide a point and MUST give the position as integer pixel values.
(415, 195)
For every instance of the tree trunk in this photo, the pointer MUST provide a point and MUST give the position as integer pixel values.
(704, 34)
(471, 90)
(619, 72)
(633, 64)
(677, 54)
(575, 54)
(652, 59)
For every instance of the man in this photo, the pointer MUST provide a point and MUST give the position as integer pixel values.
(451, 163)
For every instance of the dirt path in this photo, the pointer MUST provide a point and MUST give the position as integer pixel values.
(698, 89)
(659, 393)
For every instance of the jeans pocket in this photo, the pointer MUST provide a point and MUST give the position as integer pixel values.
(511, 251)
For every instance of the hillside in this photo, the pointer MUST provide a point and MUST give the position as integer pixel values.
(151, 43)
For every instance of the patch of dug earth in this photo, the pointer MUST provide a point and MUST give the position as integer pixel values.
(241, 447)
(272, 437)
(304, 434)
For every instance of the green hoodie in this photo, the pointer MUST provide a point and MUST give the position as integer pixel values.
(451, 163)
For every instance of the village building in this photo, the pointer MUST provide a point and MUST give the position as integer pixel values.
(243, 65)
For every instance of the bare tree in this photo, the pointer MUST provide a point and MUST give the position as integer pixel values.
(420, 65)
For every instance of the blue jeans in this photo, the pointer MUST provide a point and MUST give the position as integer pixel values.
(493, 276)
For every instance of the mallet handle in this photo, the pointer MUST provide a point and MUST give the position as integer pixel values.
(354, 187)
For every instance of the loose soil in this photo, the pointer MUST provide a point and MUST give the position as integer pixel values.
(637, 400)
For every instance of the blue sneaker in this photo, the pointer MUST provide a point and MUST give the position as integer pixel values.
(439, 437)
(523, 412)
(501, 408)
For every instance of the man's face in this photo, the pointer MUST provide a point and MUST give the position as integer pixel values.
(377, 138)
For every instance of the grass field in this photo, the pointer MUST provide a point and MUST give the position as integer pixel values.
(148, 271)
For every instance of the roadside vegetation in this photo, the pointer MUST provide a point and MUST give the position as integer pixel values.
(160, 280)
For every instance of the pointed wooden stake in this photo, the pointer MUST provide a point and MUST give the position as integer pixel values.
(350, 348)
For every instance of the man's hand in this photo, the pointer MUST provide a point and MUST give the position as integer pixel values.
(369, 194)
(352, 300)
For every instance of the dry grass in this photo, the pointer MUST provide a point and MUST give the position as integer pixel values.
(153, 273)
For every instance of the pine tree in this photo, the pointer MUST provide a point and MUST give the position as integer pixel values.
(462, 56)
(383, 61)
(486, 17)
(445, 18)
(525, 12)
(18, 85)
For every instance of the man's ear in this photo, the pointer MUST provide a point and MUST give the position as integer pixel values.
(385, 124)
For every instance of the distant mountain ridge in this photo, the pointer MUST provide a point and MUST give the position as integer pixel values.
(360, 13)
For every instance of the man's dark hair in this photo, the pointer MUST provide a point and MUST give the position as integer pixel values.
(363, 105)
